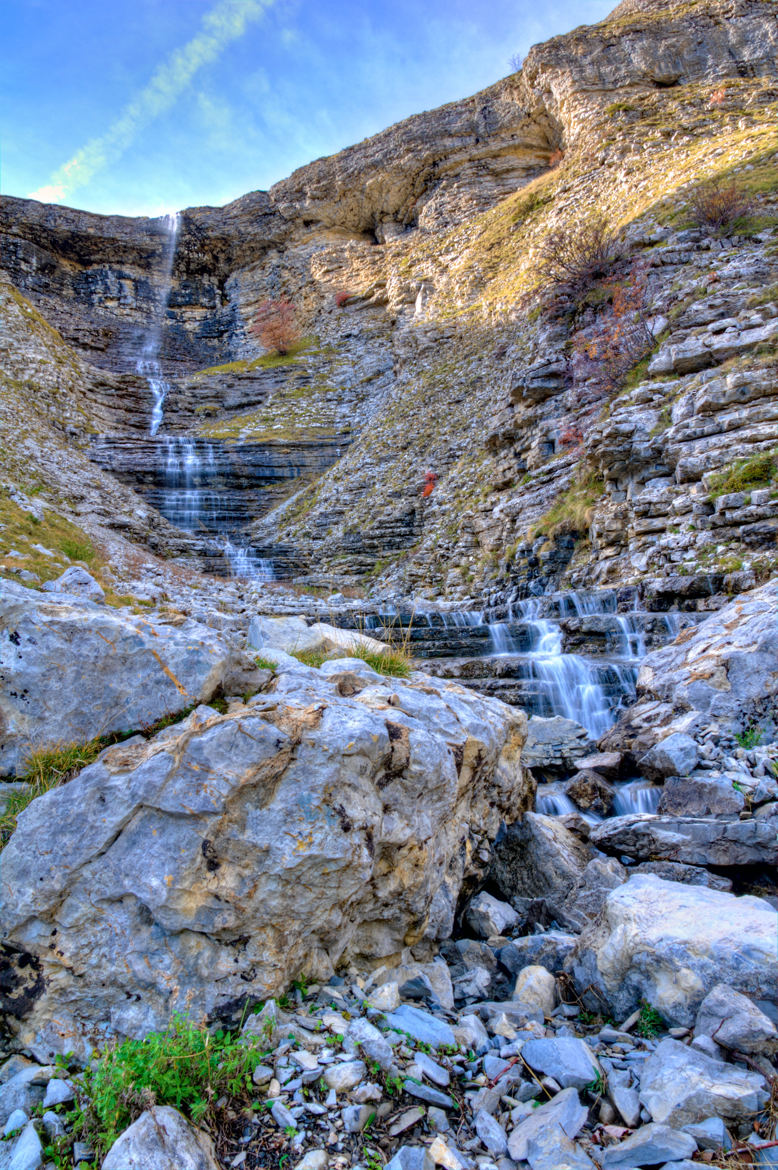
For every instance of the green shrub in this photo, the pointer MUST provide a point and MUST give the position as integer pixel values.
(571, 512)
(758, 471)
(185, 1066)
(46, 769)
(650, 1023)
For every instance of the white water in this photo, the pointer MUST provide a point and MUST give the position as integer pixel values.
(149, 365)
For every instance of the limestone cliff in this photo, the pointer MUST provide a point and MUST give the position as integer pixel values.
(448, 352)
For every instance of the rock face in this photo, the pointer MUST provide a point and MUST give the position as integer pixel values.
(71, 670)
(724, 671)
(229, 853)
(669, 944)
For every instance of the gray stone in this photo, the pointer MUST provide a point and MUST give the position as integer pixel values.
(22, 1091)
(426, 1093)
(549, 950)
(675, 755)
(626, 1101)
(364, 1038)
(283, 1116)
(735, 1022)
(77, 670)
(432, 1070)
(344, 1076)
(26, 1153)
(669, 943)
(690, 840)
(607, 764)
(681, 1086)
(224, 827)
(313, 1160)
(691, 875)
(161, 1139)
(552, 1149)
(491, 1133)
(471, 1034)
(488, 916)
(57, 1093)
(422, 1026)
(567, 1059)
(710, 1134)
(696, 796)
(356, 1117)
(564, 1110)
(647, 1146)
(78, 583)
(555, 743)
(411, 1158)
(17, 1120)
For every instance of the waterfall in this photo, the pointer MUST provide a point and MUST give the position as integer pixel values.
(149, 365)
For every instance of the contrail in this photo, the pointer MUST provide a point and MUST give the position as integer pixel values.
(225, 22)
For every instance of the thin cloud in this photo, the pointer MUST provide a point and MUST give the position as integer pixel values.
(226, 22)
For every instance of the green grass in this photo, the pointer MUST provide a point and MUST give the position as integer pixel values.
(186, 1067)
(264, 663)
(394, 661)
(571, 512)
(758, 471)
(650, 1023)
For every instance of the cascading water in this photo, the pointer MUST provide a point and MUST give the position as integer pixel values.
(149, 365)
(189, 497)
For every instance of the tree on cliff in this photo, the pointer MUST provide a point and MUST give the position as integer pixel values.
(275, 324)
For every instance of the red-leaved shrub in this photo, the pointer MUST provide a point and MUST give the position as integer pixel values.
(275, 324)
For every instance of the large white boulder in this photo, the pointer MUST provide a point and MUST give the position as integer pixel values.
(71, 670)
(670, 944)
(228, 854)
(161, 1139)
(294, 635)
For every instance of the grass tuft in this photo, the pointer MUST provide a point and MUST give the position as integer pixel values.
(758, 471)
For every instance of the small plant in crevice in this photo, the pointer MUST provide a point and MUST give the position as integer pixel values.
(750, 738)
(650, 1023)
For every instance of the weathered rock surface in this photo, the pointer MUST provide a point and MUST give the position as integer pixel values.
(680, 1085)
(537, 858)
(231, 852)
(670, 944)
(71, 670)
(161, 1139)
(692, 840)
(735, 1022)
(724, 670)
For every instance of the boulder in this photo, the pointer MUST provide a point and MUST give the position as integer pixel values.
(536, 987)
(567, 1059)
(294, 635)
(648, 1146)
(488, 916)
(555, 744)
(591, 792)
(78, 583)
(680, 1086)
(690, 840)
(232, 852)
(675, 871)
(70, 671)
(675, 755)
(564, 1110)
(699, 796)
(670, 944)
(735, 1022)
(161, 1139)
(552, 1149)
(609, 765)
(537, 858)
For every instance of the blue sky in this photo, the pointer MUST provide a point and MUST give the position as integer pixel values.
(144, 106)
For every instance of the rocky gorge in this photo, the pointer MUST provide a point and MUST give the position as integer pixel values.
(388, 726)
